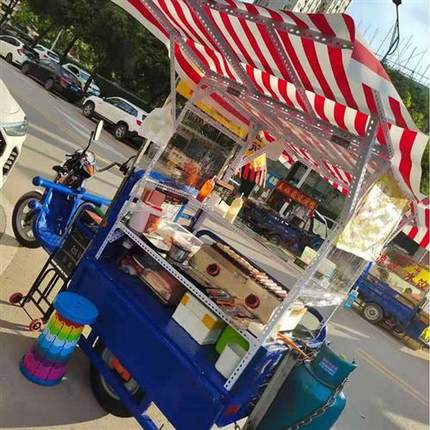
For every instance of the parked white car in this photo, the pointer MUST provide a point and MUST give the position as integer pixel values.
(125, 117)
(46, 54)
(13, 131)
(12, 49)
(83, 77)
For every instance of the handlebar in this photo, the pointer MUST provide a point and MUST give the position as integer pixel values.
(122, 167)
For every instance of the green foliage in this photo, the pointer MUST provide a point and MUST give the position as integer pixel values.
(425, 179)
(110, 41)
(416, 99)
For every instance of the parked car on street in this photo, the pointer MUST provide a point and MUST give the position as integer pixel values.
(13, 50)
(13, 131)
(46, 54)
(125, 117)
(54, 77)
(83, 76)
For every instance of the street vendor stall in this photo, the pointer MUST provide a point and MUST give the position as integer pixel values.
(186, 320)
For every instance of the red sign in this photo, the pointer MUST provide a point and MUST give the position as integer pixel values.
(296, 195)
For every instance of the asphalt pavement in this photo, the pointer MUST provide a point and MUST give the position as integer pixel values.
(389, 390)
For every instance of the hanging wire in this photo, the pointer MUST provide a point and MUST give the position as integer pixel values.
(395, 38)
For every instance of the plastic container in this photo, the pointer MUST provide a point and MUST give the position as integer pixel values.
(145, 218)
(175, 233)
(234, 209)
(206, 189)
(230, 336)
(197, 320)
(229, 359)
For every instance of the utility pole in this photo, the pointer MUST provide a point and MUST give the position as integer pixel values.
(54, 43)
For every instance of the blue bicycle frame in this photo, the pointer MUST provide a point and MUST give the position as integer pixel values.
(57, 210)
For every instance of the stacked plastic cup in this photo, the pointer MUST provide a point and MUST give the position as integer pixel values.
(45, 363)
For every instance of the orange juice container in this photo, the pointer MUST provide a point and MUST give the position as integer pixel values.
(206, 189)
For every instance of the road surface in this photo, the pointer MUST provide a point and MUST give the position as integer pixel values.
(389, 390)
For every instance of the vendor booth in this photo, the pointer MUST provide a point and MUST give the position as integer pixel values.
(186, 320)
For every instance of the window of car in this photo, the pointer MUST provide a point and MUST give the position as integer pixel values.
(53, 55)
(128, 108)
(73, 69)
(113, 101)
(10, 40)
(39, 48)
(85, 75)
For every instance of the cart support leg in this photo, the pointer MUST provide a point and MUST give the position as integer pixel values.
(272, 389)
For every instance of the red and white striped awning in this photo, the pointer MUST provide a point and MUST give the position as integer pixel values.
(295, 74)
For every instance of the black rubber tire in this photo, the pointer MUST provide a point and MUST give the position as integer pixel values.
(32, 195)
(104, 398)
(274, 239)
(49, 84)
(120, 131)
(373, 313)
(88, 109)
(9, 58)
(25, 68)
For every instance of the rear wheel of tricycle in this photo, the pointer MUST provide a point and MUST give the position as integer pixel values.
(373, 313)
(23, 218)
(104, 393)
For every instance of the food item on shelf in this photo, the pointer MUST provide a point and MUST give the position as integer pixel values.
(197, 320)
(154, 218)
(145, 218)
(234, 209)
(206, 189)
(172, 232)
(165, 285)
(179, 251)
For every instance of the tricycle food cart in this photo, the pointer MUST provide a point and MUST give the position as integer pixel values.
(295, 81)
(394, 291)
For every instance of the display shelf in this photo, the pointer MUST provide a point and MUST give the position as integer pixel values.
(145, 302)
(185, 281)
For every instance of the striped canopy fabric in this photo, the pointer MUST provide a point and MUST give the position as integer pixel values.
(308, 80)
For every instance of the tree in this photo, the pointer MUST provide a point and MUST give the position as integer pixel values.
(8, 11)
(416, 98)
(113, 44)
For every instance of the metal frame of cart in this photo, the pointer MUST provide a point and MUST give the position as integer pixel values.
(371, 159)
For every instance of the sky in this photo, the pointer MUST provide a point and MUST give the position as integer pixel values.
(375, 17)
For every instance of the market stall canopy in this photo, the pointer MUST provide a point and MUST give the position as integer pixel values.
(307, 80)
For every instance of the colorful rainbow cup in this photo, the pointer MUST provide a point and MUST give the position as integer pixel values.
(45, 363)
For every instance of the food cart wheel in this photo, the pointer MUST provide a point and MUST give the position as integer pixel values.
(15, 298)
(275, 239)
(105, 394)
(373, 313)
(36, 325)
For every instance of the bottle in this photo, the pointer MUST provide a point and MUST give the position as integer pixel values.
(352, 296)
(234, 209)
(206, 189)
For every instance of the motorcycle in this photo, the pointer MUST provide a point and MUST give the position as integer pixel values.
(42, 219)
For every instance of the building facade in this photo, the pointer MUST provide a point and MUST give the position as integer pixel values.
(306, 6)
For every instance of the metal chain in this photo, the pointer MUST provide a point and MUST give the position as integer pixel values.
(318, 412)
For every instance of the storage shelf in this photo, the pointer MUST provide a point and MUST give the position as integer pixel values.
(146, 303)
(186, 282)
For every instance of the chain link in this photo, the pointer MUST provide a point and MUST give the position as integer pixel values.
(322, 409)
